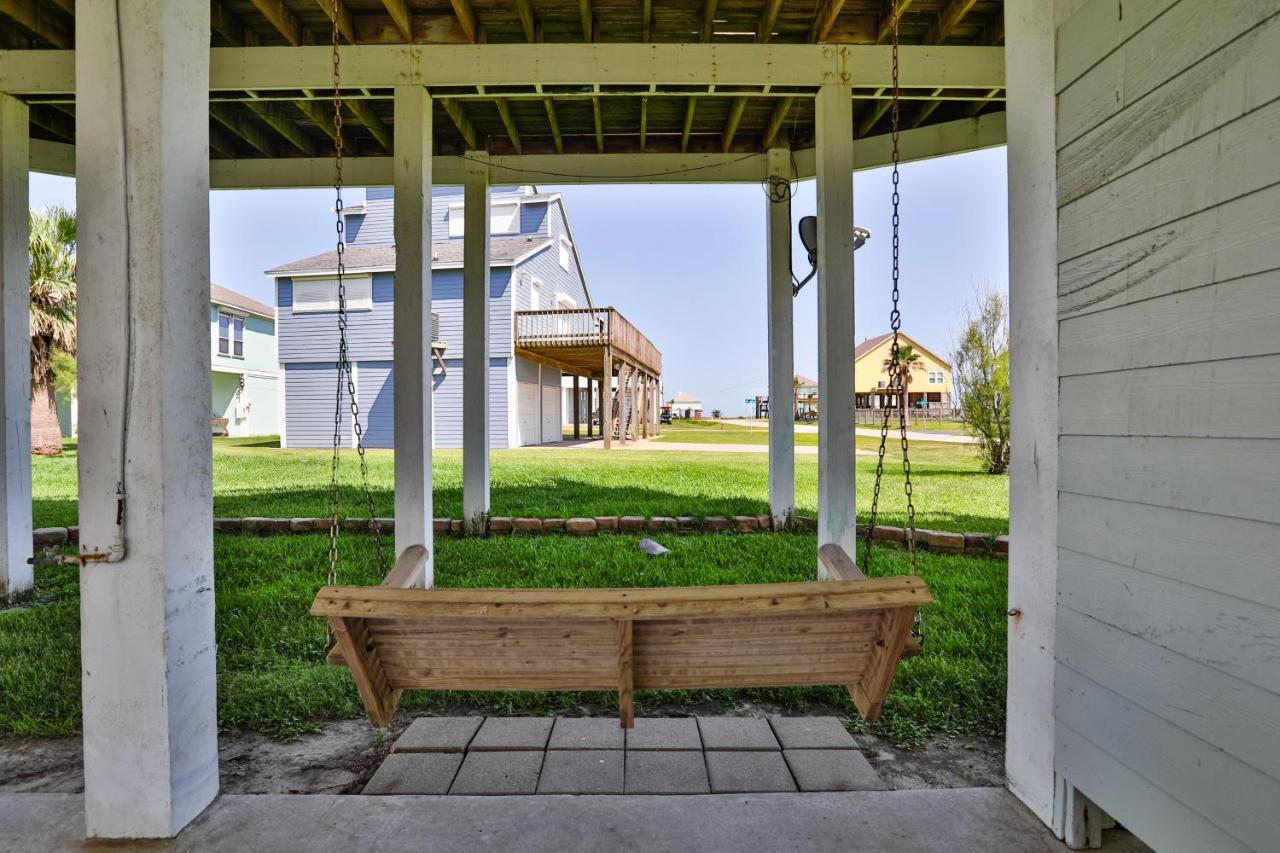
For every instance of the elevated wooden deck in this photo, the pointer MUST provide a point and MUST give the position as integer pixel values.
(575, 339)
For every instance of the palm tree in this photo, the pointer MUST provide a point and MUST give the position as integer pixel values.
(909, 361)
(52, 249)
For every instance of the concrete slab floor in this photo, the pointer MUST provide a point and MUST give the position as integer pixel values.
(415, 773)
(498, 772)
(736, 733)
(438, 734)
(958, 820)
(740, 772)
(587, 733)
(512, 733)
(582, 771)
(664, 733)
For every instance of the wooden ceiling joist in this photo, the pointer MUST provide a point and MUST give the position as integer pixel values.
(555, 124)
(588, 20)
(927, 110)
(948, 19)
(731, 124)
(779, 116)
(527, 21)
(688, 124)
(708, 20)
(768, 20)
(337, 12)
(646, 24)
(230, 27)
(285, 22)
(52, 27)
(320, 112)
(509, 122)
(365, 114)
(221, 141)
(467, 18)
(644, 121)
(238, 123)
(460, 121)
(886, 23)
(399, 12)
(825, 20)
(274, 116)
(599, 122)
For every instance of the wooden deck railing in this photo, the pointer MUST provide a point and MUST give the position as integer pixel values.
(578, 327)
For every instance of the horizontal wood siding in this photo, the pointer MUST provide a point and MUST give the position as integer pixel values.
(375, 392)
(446, 301)
(313, 336)
(310, 397)
(447, 405)
(1168, 642)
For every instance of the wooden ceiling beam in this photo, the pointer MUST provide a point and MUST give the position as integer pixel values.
(68, 6)
(646, 29)
(527, 21)
(555, 124)
(274, 116)
(230, 27)
(467, 19)
(708, 21)
(53, 120)
(688, 124)
(825, 20)
(599, 119)
(948, 19)
(774, 126)
(238, 123)
(927, 110)
(460, 121)
(644, 121)
(337, 12)
(731, 124)
(877, 112)
(399, 12)
(364, 113)
(976, 106)
(509, 122)
(221, 141)
(319, 112)
(588, 20)
(40, 21)
(285, 22)
(886, 25)
(768, 19)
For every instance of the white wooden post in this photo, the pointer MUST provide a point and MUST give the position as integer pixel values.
(147, 616)
(606, 399)
(475, 337)
(782, 443)
(411, 333)
(621, 398)
(15, 353)
(1033, 341)
(837, 514)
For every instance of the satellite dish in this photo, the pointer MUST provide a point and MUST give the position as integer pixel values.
(809, 239)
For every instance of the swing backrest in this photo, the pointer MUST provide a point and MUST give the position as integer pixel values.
(849, 632)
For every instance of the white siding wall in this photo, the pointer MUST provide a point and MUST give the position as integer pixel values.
(1167, 694)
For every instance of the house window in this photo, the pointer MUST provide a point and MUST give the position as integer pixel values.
(321, 294)
(564, 300)
(535, 295)
(504, 218)
(566, 252)
(230, 335)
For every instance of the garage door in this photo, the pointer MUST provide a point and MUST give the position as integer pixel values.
(551, 425)
(527, 400)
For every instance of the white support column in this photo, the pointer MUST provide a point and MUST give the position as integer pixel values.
(837, 513)
(475, 337)
(411, 332)
(1033, 344)
(148, 657)
(782, 441)
(15, 353)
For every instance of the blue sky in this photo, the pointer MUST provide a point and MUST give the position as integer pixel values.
(687, 263)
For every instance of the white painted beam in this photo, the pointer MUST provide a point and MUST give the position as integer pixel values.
(475, 338)
(40, 72)
(147, 617)
(411, 321)
(936, 140)
(837, 514)
(15, 353)
(782, 441)
(1033, 346)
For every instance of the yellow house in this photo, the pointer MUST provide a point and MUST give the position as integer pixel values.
(929, 386)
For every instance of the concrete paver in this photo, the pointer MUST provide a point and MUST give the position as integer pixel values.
(415, 773)
(587, 733)
(438, 734)
(656, 772)
(811, 733)
(664, 733)
(755, 771)
(499, 772)
(833, 770)
(736, 733)
(582, 771)
(512, 733)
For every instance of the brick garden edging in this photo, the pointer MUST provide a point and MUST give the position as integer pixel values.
(937, 541)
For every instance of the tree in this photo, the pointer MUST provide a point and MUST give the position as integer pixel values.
(715, 414)
(980, 374)
(909, 361)
(52, 252)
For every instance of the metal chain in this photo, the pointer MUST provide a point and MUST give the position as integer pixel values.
(346, 376)
(897, 385)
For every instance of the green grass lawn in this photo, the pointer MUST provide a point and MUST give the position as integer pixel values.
(271, 675)
(254, 478)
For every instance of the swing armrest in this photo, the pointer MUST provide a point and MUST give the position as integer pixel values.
(840, 567)
(407, 574)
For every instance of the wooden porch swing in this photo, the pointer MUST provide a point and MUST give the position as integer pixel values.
(849, 630)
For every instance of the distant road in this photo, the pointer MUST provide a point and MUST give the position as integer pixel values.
(912, 434)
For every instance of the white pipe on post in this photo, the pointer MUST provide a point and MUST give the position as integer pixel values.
(782, 442)
(411, 324)
(16, 575)
(148, 657)
(837, 511)
(475, 337)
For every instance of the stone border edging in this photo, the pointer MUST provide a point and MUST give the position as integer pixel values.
(937, 541)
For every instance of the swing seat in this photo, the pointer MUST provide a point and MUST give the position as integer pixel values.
(849, 630)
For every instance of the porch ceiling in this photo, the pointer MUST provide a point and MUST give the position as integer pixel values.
(536, 119)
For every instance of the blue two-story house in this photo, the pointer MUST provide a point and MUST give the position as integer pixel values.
(534, 268)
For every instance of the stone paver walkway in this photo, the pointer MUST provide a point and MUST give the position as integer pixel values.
(661, 755)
